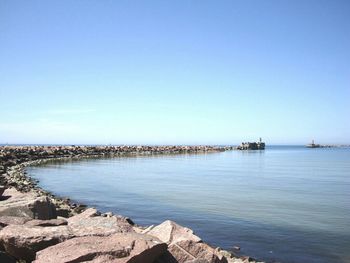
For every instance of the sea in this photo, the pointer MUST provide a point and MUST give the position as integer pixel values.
(282, 204)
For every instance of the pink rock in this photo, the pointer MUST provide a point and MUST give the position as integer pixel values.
(26, 205)
(22, 241)
(90, 212)
(13, 220)
(89, 223)
(170, 233)
(184, 245)
(188, 250)
(117, 248)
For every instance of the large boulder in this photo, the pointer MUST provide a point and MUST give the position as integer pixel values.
(184, 245)
(117, 248)
(14, 203)
(188, 250)
(90, 223)
(22, 241)
(171, 232)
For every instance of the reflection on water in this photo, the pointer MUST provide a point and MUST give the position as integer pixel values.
(287, 204)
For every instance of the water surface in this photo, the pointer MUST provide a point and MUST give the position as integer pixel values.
(285, 204)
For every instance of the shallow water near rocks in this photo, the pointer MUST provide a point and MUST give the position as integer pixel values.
(284, 204)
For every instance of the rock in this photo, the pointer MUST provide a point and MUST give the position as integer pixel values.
(184, 245)
(90, 212)
(79, 208)
(142, 230)
(23, 241)
(13, 220)
(89, 223)
(247, 259)
(108, 214)
(236, 248)
(170, 232)
(188, 250)
(229, 255)
(2, 189)
(51, 222)
(118, 248)
(63, 212)
(14, 203)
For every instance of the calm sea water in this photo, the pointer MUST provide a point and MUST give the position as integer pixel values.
(284, 204)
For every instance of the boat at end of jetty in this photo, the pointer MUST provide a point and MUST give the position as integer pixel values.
(313, 145)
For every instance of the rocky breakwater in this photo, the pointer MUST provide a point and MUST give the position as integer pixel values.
(38, 227)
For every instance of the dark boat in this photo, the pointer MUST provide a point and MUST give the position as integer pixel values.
(313, 145)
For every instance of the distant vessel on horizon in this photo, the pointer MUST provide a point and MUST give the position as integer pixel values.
(313, 145)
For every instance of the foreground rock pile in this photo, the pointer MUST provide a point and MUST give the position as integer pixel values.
(34, 227)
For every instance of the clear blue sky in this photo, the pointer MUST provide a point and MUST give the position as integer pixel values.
(174, 72)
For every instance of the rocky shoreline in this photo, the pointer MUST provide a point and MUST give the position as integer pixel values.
(36, 226)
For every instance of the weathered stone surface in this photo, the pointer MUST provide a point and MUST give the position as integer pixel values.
(14, 203)
(13, 220)
(22, 241)
(184, 245)
(89, 223)
(188, 250)
(118, 248)
(170, 232)
(51, 222)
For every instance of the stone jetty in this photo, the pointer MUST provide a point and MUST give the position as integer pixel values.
(260, 145)
(36, 226)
